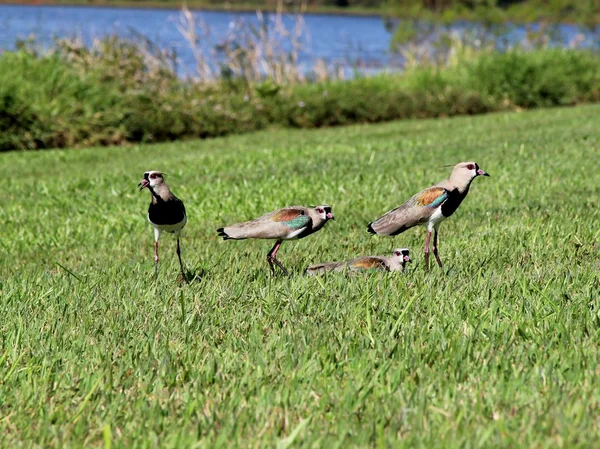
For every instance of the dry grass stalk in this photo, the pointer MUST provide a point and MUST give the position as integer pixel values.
(187, 27)
(253, 53)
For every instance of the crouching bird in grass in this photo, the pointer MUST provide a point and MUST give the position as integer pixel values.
(397, 262)
(294, 222)
(166, 213)
(430, 207)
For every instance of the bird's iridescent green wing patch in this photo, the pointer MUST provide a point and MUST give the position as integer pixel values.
(298, 222)
(292, 218)
(432, 197)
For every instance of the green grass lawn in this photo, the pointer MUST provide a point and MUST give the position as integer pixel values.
(501, 348)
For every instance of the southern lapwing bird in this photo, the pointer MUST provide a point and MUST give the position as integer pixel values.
(396, 262)
(294, 222)
(166, 212)
(430, 207)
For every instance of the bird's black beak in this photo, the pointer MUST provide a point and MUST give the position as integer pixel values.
(480, 172)
(330, 216)
(143, 184)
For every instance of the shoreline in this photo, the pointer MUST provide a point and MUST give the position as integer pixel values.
(195, 6)
(199, 6)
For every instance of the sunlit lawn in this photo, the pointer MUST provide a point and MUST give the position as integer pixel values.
(498, 349)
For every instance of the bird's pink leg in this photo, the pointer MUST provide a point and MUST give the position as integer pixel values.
(271, 258)
(155, 259)
(435, 248)
(427, 250)
(180, 262)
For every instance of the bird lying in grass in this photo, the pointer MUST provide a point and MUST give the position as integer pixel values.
(430, 207)
(397, 262)
(295, 222)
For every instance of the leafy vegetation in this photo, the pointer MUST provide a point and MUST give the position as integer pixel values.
(486, 11)
(113, 94)
(498, 349)
(499, 11)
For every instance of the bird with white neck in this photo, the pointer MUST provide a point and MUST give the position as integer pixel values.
(430, 207)
(288, 223)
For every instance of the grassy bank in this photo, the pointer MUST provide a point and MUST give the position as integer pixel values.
(499, 349)
(113, 96)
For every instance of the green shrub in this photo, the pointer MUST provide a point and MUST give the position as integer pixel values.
(537, 79)
(112, 95)
(45, 103)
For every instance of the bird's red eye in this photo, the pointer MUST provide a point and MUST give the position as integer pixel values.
(320, 210)
(470, 166)
(153, 176)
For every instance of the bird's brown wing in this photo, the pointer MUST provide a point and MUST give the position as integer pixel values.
(278, 224)
(413, 212)
(431, 197)
(367, 263)
(293, 218)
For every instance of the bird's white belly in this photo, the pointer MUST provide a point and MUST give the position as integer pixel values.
(434, 221)
(294, 234)
(169, 227)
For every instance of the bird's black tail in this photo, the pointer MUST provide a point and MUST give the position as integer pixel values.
(370, 229)
(223, 234)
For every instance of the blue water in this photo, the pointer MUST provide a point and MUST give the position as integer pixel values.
(343, 40)
(332, 38)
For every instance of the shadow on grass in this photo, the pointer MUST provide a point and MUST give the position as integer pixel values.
(197, 274)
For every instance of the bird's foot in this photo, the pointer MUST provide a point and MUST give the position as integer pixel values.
(286, 272)
(272, 260)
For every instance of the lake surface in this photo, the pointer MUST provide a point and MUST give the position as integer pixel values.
(332, 38)
(349, 41)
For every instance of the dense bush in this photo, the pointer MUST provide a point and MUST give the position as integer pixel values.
(548, 78)
(53, 101)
